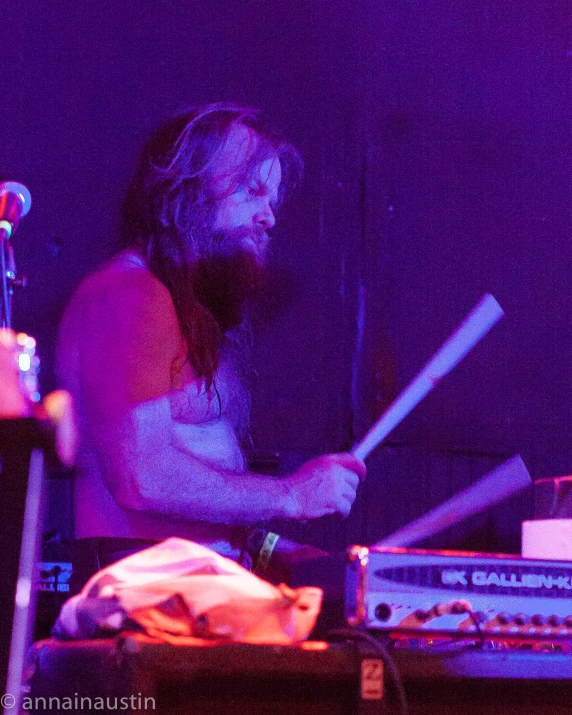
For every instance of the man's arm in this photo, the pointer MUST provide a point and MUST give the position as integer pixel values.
(128, 345)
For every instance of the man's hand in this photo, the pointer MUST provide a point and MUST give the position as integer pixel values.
(325, 485)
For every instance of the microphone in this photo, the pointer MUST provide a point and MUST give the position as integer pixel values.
(15, 202)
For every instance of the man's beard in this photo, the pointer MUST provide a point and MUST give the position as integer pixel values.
(242, 293)
(230, 278)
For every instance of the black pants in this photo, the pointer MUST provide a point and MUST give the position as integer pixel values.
(91, 555)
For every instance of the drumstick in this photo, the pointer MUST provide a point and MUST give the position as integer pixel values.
(477, 323)
(507, 479)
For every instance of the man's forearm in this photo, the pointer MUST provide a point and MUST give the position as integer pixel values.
(194, 473)
(180, 485)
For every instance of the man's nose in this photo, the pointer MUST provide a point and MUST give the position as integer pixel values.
(265, 216)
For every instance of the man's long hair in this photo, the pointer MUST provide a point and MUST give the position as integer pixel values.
(169, 209)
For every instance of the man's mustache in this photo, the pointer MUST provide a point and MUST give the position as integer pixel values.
(229, 241)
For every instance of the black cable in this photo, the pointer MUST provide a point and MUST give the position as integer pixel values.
(474, 618)
(355, 634)
(457, 608)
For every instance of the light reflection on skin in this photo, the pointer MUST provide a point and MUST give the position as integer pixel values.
(245, 211)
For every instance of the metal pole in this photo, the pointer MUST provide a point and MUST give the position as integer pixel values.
(25, 604)
(6, 307)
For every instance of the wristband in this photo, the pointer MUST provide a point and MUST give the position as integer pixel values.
(265, 553)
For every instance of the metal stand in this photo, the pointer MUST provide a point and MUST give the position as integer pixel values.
(21, 485)
(6, 278)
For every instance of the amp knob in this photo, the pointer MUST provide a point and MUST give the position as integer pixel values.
(521, 619)
(383, 612)
(538, 620)
(422, 615)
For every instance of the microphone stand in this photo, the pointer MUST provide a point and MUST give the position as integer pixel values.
(22, 449)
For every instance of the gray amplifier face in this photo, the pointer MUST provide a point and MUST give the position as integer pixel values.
(415, 591)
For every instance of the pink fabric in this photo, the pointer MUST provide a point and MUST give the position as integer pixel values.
(181, 589)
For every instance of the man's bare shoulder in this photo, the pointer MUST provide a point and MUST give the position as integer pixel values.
(123, 284)
(122, 296)
(121, 327)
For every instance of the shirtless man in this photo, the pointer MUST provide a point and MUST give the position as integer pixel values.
(152, 348)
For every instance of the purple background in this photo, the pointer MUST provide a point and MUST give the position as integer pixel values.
(438, 150)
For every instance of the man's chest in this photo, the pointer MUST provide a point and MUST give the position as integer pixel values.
(192, 402)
